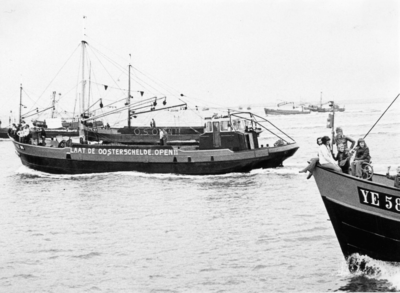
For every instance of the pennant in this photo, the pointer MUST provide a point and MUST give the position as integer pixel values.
(105, 87)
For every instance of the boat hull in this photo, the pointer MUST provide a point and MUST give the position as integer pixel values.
(365, 214)
(3, 132)
(82, 159)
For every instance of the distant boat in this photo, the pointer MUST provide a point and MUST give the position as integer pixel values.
(269, 111)
(293, 111)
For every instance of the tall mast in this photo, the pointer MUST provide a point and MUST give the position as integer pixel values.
(83, 65)
(129, 92)
(20, 103)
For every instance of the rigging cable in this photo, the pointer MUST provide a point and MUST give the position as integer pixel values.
(56, 75)
(381, 115)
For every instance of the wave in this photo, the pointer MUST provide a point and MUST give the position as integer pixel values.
(368, 274)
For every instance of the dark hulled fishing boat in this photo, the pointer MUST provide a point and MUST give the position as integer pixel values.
(365, 214)
(227, 145)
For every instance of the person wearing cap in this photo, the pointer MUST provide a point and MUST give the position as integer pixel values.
(340, 138)
(325, 155)
(362, 155)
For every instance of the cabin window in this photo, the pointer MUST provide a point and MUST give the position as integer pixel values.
(208, 127)
(224, 125)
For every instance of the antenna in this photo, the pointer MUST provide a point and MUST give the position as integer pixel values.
(84, 29)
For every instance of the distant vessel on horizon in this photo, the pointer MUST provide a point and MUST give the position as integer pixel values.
(294, 111)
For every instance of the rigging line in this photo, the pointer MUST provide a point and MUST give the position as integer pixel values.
(163, 87)
(105, 68)
(93, 40)
(273, 125)
(66, 94)
(27, 95)
(76, 88)
(156, 80)
(112, 62)
(382, 115)
(237, 115)
(138, 80)
(57, 74)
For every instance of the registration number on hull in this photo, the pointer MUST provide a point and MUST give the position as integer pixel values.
(379, 200)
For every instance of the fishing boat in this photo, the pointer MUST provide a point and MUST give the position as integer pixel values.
(364, 212)
(229, 144)
(270, 111)
(293, 111)
(226, 143)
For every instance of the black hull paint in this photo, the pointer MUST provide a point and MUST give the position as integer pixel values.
(65, 166)
(364, 233)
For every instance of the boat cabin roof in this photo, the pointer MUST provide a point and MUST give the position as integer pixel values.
(226, 124)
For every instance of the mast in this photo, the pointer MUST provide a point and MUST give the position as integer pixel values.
(129, 92)
(20, 103)
(320, 101)
(83, 65)
(54, 104)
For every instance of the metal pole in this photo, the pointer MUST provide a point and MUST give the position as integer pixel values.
(54, 104)
(129, 92)
(20, 103)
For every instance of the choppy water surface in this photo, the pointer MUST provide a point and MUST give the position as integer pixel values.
(130, 232)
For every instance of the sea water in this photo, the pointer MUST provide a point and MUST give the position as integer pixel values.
(266, 230)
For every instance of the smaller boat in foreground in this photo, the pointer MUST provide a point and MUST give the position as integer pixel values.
(365, 214)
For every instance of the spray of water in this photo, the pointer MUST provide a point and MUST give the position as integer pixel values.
(362, 266)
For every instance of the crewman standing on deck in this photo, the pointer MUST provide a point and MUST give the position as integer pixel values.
(340, 138)
(161, 137)
(396, 177)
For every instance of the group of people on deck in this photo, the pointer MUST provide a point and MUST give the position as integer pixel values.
(23, 133)
(341, 161)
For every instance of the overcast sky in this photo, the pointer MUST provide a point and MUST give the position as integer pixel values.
(225, 52)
